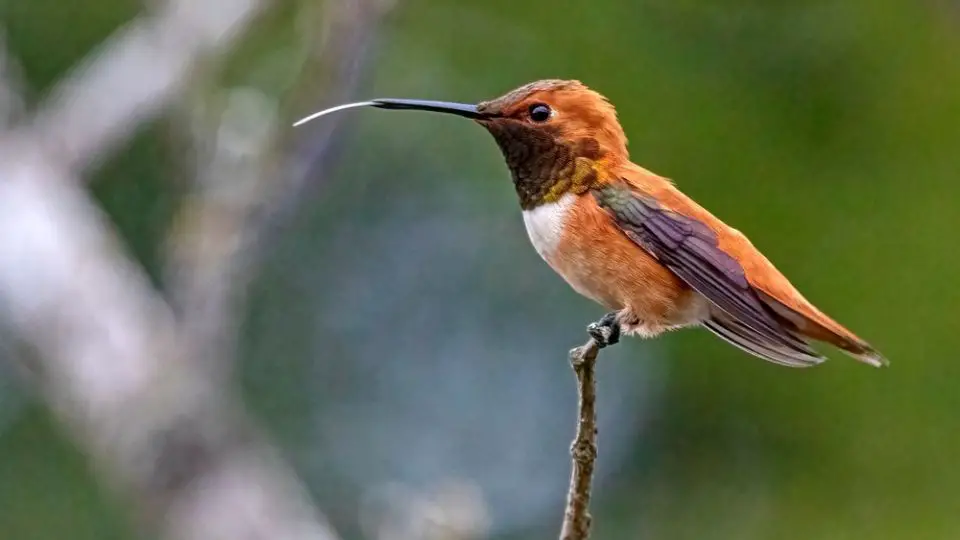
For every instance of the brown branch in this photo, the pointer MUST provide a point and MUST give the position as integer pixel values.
(576, 516)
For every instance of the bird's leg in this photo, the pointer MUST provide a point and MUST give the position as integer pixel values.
(606, 331)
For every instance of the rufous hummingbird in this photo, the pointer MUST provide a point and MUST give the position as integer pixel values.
(629, 239)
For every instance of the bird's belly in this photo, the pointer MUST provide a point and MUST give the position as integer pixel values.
(582, 245)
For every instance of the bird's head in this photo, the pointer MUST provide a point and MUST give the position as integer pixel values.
(557, 136)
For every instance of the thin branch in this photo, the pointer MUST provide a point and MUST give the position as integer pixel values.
(576, 516)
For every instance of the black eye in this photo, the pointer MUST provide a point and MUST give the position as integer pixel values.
(539, 112)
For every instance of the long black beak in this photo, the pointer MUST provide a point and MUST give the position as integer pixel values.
(460, 109)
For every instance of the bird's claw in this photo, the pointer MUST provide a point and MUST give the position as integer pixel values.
(606, 331)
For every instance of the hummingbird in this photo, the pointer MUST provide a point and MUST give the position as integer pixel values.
(628, 238)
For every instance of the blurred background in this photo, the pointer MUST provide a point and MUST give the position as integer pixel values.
(404, 346)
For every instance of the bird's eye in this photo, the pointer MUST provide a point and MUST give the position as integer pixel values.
(540, 112)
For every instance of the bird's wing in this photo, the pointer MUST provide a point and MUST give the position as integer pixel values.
(690, 249)
(745, 338)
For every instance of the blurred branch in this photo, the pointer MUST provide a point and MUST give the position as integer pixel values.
(330, 78)
(12, 110)
(117, 374)
(576, 516)
(119, 370)
(242, 189)
(206, 271)
(133, 75)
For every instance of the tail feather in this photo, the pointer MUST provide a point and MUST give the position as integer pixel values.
(816, 325)
(790, 350)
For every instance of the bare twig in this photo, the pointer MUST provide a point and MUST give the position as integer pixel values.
(576, 516)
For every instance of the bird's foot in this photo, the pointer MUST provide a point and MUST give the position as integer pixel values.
(606, 331)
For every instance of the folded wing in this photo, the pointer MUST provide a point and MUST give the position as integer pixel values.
(690, 249)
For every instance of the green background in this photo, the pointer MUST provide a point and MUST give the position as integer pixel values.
(405, 305)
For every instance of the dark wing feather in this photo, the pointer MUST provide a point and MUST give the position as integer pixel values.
(690, 250)
(746, 339)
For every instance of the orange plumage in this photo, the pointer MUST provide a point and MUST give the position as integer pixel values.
(616, 262)
(629, 239)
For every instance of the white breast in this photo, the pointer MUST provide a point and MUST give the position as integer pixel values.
(545, 224)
